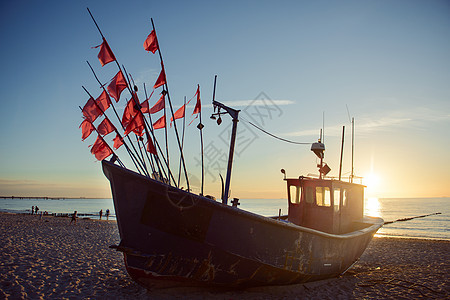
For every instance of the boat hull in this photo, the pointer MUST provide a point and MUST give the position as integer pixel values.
(170, 237)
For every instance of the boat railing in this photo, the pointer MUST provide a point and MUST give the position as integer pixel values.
(348, 179)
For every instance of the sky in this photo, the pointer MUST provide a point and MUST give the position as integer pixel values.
(291, 67)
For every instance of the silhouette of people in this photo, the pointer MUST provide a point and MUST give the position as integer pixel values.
(107, 214)
(74, 218)
(32, 210)
(100, 213)
(36, 209)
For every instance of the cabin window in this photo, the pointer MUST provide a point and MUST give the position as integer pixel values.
(344, 197)
(336, 199)
(323, 196)
(294, 194)
(309, 194)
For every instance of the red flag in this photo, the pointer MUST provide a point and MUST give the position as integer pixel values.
(105, 127)
(151, 42)
(118, 141)
(145, 106)
(158, 105)
(117, 85)
(129, 112)
(161, 79)
(105, 55)
(150, 147)
(86, 129)
(160, 123)
(198, 105)
(178, 114)
(101, 149)
(103, 101)
(91, 110)
(136, 125)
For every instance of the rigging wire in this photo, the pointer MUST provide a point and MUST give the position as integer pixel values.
(274, 136)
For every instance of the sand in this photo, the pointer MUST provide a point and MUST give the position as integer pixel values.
(49, 259)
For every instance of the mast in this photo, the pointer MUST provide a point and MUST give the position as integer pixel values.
(200, 127)
(353, 145)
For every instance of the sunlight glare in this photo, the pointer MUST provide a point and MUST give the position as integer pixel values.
(372, 207)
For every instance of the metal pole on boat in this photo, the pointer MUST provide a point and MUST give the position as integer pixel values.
(234, 115)
(173, 116)
(342, 152)
(200, 127)
(353, 145)
(321, 156)
(230, 159)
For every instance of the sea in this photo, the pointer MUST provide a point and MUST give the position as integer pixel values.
(434, 226)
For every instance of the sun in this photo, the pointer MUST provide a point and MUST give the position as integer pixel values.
(371, 180)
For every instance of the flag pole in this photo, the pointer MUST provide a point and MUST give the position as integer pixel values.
(182, 139)
(200, 127)
(146, 124)
(117, 132)
(166, 138)
(115, 111)
(158, 163)
(153, 163)
(171, 110)
(142, 141)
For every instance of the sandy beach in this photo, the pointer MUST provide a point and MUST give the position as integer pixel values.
(47, 258)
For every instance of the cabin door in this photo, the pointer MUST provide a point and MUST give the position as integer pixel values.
(337, 210)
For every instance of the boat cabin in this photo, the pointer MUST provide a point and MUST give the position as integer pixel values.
(331, 206)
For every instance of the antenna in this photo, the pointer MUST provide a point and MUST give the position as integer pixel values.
(352, 121)
(323, 127)
(348, 113)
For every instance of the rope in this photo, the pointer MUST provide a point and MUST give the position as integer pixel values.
(274, 136)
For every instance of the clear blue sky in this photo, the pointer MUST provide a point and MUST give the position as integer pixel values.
(387, 61)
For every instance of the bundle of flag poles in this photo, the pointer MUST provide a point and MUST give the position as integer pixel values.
(135, 130)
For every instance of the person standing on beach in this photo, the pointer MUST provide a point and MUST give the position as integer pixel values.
(107, 214)
(100, 213)
(74, 218)
(32, 210)
(36, 209)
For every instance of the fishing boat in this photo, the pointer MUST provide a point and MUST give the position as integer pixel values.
(171, 236)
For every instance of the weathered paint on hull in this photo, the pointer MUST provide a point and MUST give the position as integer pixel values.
(173, 238)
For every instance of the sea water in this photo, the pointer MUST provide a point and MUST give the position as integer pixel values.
(390, 209)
